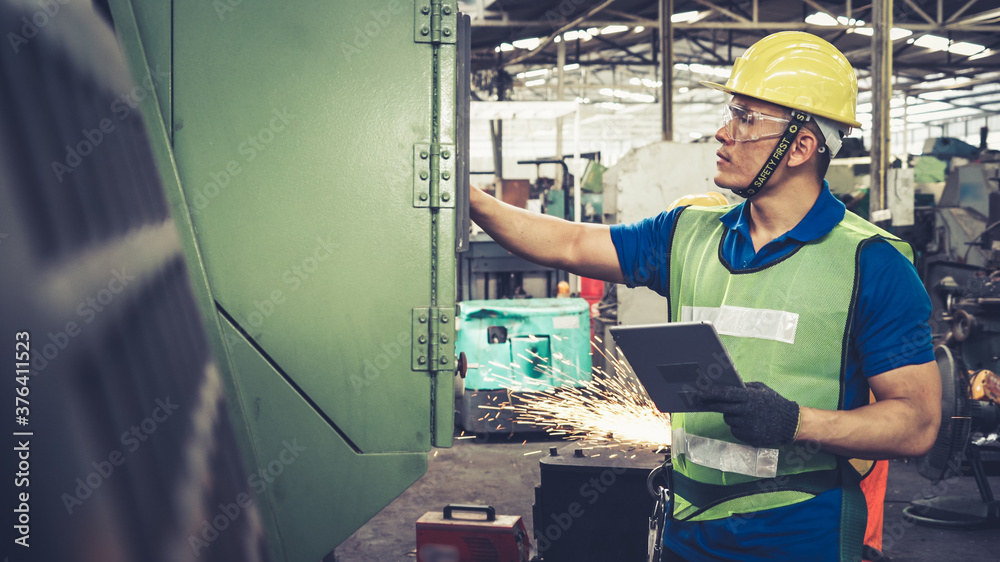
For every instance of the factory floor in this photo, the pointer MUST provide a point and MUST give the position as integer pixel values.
(504, 473)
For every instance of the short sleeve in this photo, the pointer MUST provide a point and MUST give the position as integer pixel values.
(891, 324)
(643, 250)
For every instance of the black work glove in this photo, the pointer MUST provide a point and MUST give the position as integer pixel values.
(756, 414)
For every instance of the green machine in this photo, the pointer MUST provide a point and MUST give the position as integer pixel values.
(315, 159)
(519, 345)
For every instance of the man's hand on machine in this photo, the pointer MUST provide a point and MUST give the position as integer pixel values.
(756, 415)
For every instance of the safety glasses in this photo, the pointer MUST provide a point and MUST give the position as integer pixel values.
(743, 124)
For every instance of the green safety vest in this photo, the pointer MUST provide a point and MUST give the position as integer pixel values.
(786, 324)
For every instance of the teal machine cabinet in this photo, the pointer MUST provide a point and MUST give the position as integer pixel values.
(520, 345)
(315, 161)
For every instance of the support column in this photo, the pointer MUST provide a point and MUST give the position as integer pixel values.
(881, 70)
(560, 93)
(667, 69)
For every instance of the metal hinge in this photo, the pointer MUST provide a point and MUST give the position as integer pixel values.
(435, 21)
(433, 347)
(434, 175)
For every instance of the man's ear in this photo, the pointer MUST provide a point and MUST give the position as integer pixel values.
(803, 148)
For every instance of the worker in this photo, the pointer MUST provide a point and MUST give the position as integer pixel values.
(816, 307)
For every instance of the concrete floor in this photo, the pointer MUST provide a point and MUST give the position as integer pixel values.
(503, 474)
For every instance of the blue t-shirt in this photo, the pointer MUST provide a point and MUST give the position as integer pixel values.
(890, 331)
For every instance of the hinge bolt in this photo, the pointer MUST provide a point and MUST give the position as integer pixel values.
(445, 154)
(444, 339)
(421, 359)
(446, 32)
(446, 10)
(444, 360)
(445, 196)
(446, 175)
(422, 339)
(423, 318)
(425, 10)
(423, 154)
(424, 30)
(422, 196)
(423, 175)
(444, 318)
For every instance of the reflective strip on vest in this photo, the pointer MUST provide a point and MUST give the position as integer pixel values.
(725, 456)
(738, 321)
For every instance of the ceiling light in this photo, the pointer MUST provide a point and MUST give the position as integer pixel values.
(528, 44)
(641, 28)
(572, 66)
(614, 29)
(533, 73)
(967, 49)
(505, 47)
(820, 18)
(634, 81)
(898, 33)
(685, 17)
(538, 82)
(695, 135)
(932, 42)
(982, 54)
(578, 34)
(607, 92)
(644, 98)
(683, 89)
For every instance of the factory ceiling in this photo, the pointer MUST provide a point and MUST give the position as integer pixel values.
(946, 59)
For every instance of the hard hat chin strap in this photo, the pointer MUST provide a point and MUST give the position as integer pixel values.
(794, 126)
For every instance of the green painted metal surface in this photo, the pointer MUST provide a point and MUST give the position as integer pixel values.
(321, 489)
(291, 128)
(546, 343)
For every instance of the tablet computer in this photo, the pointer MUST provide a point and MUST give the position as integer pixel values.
(673, 361)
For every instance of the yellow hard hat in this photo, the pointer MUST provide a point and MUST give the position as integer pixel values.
(710, 199)
(800, 71)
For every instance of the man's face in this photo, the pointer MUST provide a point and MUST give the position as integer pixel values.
(739, 162)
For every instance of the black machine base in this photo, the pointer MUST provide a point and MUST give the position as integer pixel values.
(593, 506)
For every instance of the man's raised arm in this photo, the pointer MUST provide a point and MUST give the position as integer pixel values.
(583, 249)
